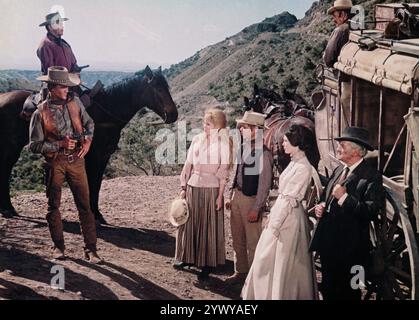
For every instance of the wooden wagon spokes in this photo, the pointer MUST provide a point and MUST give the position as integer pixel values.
(395, 262)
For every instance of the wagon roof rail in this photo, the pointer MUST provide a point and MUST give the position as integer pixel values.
(393, 64)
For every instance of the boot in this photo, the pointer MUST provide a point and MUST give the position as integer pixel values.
(92, 257)
(58, 254)
(204, 274)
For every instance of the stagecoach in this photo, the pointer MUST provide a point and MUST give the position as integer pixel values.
(384, 84)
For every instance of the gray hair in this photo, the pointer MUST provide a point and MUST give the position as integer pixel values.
(362, 150)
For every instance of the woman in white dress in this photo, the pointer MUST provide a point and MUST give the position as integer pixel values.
(283, 267)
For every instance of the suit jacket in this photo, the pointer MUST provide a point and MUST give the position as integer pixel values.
(343, 233)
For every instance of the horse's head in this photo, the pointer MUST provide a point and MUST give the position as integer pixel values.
(262, 99)
(156, 95)
(246, 105)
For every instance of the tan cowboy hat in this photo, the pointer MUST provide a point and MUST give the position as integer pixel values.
(340, 5)
(178, 212)
(252, 118)
(52, 18)
(60, 76)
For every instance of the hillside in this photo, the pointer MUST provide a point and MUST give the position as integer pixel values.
(280, 52)
(272, 54)
(25, 79)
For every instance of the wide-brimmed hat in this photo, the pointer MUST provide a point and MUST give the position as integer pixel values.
(178, 212)
(340, 5)
(60, 76)
(357, 135)
(52, 18)
(252, 118)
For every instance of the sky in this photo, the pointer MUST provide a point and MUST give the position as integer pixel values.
(126, 35)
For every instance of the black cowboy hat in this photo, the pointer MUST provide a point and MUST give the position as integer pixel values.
(357, 135)
(52, 17)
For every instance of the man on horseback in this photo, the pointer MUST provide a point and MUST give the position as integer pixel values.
(62, 131)
(53, 50)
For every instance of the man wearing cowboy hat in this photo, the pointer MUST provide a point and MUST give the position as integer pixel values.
(341, 13)
(53, 50)
(62, 131)
(352, 198)
(249, 190)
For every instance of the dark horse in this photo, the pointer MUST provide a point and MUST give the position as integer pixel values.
(111, 111)
(281, 113)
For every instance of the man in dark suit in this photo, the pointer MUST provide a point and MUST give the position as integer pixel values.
(351, 200)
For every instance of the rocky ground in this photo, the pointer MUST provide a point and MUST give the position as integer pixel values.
(138, 248)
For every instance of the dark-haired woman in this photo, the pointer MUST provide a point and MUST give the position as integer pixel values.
(283, 267)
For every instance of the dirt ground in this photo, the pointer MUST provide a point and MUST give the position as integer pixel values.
(138, 248)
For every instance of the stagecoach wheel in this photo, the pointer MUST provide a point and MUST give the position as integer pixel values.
(394, 270)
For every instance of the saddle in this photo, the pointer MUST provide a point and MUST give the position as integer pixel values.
(30, 105)
(36, 98)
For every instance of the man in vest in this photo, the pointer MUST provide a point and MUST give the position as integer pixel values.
(249, 190)
(62, 131)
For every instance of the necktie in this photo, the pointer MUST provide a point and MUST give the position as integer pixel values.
(343, 176)
(341, 179)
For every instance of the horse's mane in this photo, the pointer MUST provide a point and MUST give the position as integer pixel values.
(121, 91)
(125, 86)
(159, 78)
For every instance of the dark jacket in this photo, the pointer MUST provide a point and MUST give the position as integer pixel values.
(339, 37)
(55, 51)
(343, 232)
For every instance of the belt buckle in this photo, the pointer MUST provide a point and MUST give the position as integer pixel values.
(70, 158)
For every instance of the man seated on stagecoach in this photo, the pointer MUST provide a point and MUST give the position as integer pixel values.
(341, 13)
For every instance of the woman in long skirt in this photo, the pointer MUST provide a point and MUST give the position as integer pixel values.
(200, 241)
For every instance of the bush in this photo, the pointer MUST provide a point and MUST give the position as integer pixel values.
(28, 173)
(290, 84)
(239, 76)
(264, 68)
(309, 65)
(280, 69)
